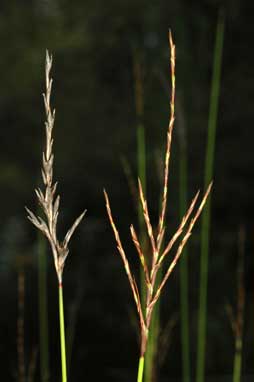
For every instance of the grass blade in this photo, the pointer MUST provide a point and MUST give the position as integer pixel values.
(205, 228)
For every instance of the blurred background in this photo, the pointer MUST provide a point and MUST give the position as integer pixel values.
(97, 47)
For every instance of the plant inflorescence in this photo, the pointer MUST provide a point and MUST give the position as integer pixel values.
(50, 205)
(156, 237)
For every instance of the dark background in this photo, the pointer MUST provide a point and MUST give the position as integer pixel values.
(93, 91)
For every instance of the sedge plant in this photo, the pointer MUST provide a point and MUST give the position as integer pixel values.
(152, 264)
(50, 206)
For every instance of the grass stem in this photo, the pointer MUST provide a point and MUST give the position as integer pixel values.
(62, 334)
(141, 167)
(205, 228)
(141, 369)
(237, 360)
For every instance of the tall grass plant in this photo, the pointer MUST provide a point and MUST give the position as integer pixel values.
(50, 206)
(155, 239)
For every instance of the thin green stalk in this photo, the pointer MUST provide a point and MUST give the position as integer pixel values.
(62, 334)
(152, 343)
(139, 103)
(184, 263)
(205, 227)
(141, 167)
(43, 310)
(140, 369)
(151, 364)
(140, 129)
(141, 159)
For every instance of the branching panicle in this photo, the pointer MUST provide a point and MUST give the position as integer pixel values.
(151, 268)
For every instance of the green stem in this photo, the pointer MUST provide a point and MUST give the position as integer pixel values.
(62, 334)
(141, 152)
(141, 159)
(205, 228)
(237, 360)
(152, 343)
(141, 166)
(142, 176)
(141, 369)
